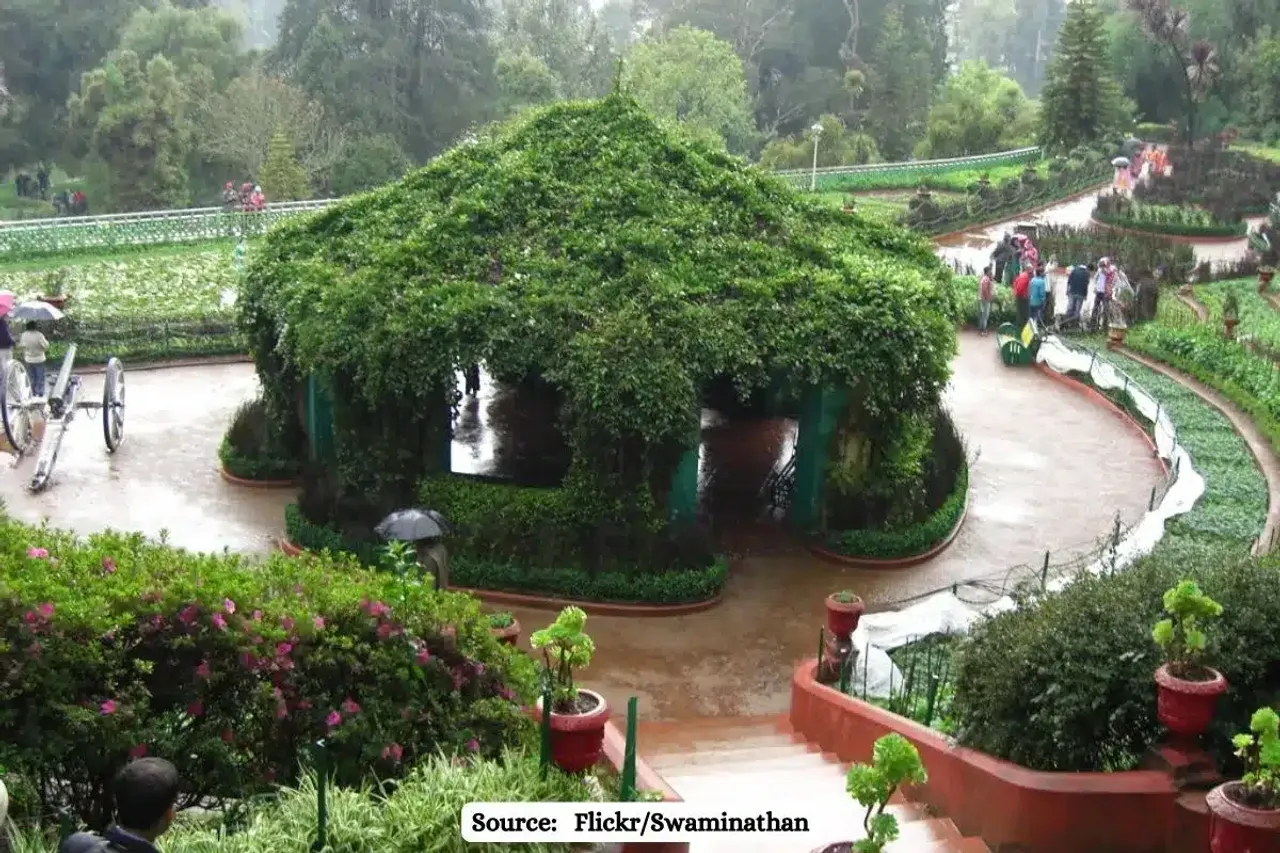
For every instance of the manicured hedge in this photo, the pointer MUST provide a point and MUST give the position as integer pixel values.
(479, 509)
(116, 647)
(1172, 228)
(909, 541)
(248, 450)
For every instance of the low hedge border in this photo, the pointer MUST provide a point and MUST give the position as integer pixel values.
(257, 470)
(913, 541)
(1227, 231)
(678, 587)
(952, 220)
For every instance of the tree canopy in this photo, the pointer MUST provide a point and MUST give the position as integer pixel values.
(979, 109)
(618, 261)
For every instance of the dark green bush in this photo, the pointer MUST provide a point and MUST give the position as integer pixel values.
(906, 542)
(1065, 682)
(1142, 257)
(249, 449)
(1175, 220)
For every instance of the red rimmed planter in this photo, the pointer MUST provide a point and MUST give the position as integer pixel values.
(255, 484)
(843, 616)
(1236, 828)
(578, 739)
(1186, 707)
(58, 302)
(509, 635)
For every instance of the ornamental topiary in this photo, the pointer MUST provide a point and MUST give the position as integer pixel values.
(614, 263)
(115, 647)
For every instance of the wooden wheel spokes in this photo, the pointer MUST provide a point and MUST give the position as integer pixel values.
(15, 406)
(113, 404)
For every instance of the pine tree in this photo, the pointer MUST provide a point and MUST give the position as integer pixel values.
(283, 178)
(900, 88)
(1080, 104)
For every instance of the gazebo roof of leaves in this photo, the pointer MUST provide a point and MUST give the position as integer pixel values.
(613, 257)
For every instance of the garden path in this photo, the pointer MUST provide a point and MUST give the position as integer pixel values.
(1051, 469)
(973, 247)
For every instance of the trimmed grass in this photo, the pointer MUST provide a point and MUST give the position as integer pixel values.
(886, 206)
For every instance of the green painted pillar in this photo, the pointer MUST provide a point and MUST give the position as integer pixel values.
(682, 502)
(820, 410)
(319, 420)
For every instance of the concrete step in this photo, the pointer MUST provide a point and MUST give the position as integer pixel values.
(757, 748)
(959, 845)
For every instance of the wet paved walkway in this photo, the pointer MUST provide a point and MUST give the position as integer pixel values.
(1051, 469)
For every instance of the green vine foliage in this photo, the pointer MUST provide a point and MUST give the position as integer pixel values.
(622, 264)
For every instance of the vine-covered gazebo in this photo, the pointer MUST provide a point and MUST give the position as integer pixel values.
(588, 251)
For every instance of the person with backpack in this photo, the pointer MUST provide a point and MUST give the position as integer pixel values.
(146, 797)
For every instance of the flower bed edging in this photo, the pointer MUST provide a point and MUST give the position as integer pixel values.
(898, 562)
(255, 484)
(539, 602)
(1009, 217)
(1006, 805)
(1172, 238)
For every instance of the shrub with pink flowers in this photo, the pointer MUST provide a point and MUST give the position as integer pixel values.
(115, 647)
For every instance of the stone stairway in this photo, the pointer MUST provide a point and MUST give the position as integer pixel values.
(719, 759)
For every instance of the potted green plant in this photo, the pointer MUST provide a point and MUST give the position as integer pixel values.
(55, 287)
(504, 627)
(578, 715)
(844, 609)
(1245, 815)
(850, 203)
(1187, 691)
(1265, 274)
(895, 762)
(1230, 313)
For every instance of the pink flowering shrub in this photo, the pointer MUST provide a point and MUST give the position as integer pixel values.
(115, 648)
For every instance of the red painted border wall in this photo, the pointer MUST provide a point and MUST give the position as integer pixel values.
(1009, 807)
(647, 779)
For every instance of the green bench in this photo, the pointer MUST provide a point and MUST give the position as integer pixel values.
(1015, 349)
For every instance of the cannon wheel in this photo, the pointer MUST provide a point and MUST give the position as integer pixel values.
(15, 402)
(113, 404)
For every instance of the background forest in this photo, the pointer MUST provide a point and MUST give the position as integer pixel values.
(158, 104)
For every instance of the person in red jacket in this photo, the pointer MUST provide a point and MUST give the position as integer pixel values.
(1022, 296)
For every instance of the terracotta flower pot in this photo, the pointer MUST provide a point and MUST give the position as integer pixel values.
(577, 739)
(843, 616)
(58, 302)
(1186, 707)
(1229, 326)
(1235, 828)
(509, 635)
(1115, 337)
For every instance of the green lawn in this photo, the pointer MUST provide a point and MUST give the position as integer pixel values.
(883, 205)
(1257, 149)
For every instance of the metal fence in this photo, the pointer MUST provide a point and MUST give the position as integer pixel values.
(34, 238)
(914, 167)
(41, 237)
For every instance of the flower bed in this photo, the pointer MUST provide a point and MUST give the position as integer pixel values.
(1259, 328)
(1167, 219)
(141, 308)
(959, 179)
(1231, 184)
(117, 647)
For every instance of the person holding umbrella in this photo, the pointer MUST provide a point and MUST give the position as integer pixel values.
(33, 344)
(6, 336)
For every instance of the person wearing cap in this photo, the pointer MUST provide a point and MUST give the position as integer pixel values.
(146, 797)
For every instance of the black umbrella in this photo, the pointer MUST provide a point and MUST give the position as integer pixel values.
(414, 525)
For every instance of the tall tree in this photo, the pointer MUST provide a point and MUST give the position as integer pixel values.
(1014, 36)
(564, 35)
(1195, 61)
(691, 76)
(420, 72)
(1080, 104)
(899, 88)
(283, 178)
(127, 121)
(979, 110)
(235, 127)
(46, 46)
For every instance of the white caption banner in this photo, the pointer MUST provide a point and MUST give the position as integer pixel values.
(615, 822)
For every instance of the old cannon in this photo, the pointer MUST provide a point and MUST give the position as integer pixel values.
(19, 401)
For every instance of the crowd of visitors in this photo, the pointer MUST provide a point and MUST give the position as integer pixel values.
(248, 199)
(1016, 263)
